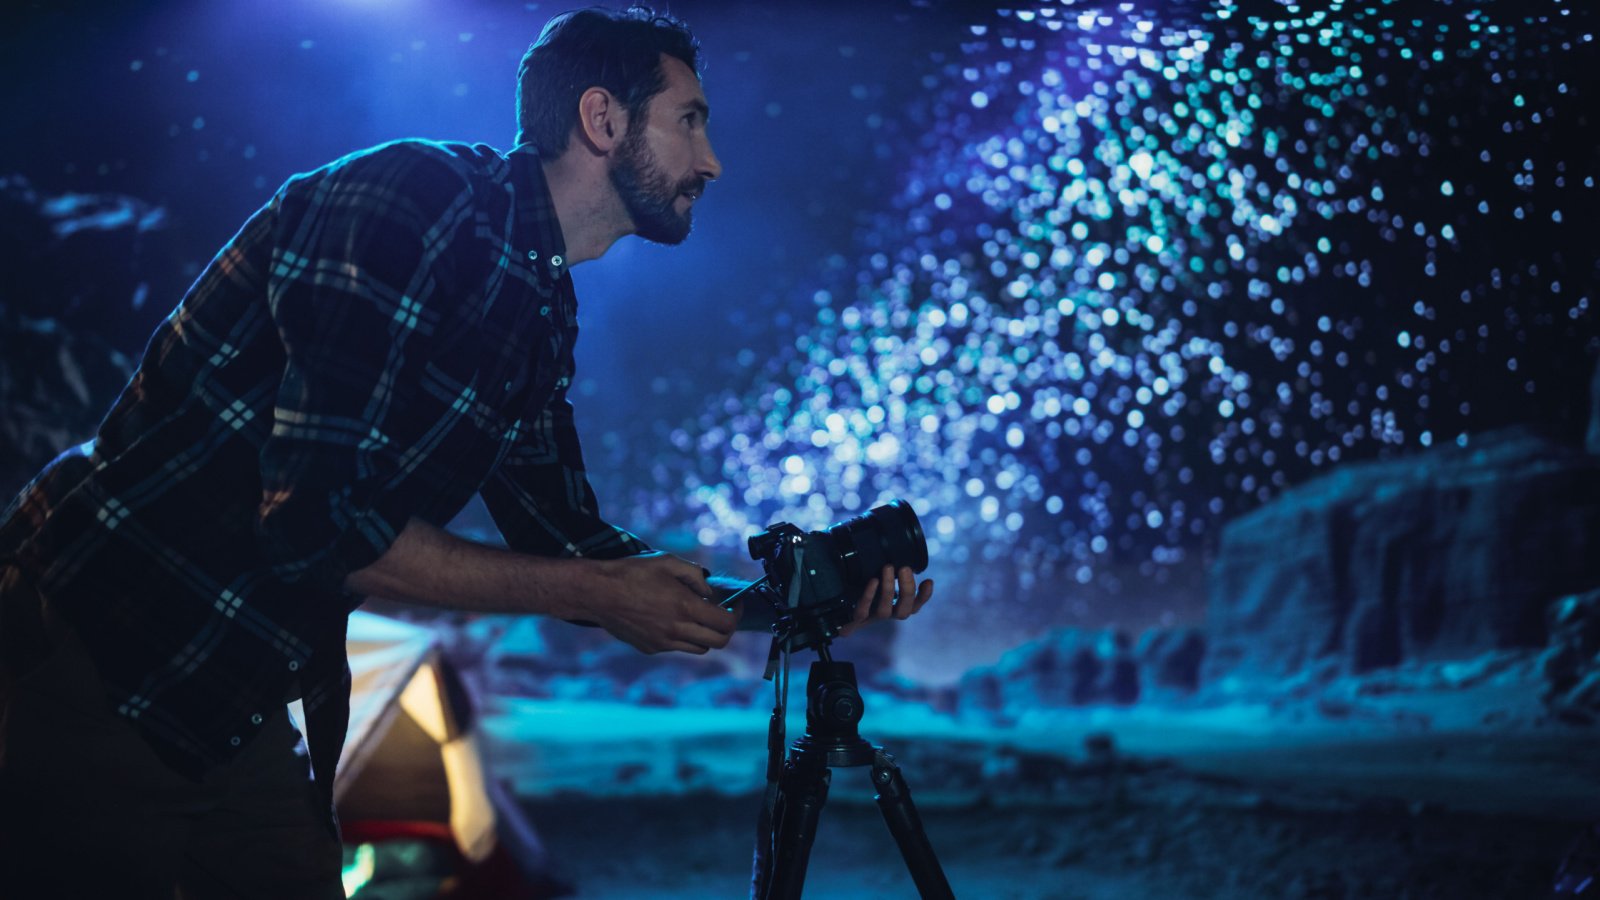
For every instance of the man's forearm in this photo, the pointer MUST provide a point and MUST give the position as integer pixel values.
(432, 567)
(429, 566)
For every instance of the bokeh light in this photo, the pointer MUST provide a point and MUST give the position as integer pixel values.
(1142, 274)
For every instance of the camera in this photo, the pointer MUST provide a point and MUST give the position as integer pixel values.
(814, 578)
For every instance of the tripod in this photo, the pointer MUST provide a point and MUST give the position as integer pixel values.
(797, 788)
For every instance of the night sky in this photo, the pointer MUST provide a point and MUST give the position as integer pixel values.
(1081, 281)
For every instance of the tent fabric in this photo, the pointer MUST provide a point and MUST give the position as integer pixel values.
(410, 753)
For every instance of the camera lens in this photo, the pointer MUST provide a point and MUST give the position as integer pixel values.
(887, 535)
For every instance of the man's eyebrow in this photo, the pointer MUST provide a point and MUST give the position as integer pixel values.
(698, 106)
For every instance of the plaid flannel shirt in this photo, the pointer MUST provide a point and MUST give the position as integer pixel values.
(387, 336)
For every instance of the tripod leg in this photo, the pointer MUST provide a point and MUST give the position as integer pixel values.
(761, 865)
(894, 801)
(801, 793)
(766, 834)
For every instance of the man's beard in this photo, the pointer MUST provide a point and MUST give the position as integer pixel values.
(648, 195)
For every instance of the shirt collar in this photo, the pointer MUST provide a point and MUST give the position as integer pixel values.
(537, 230)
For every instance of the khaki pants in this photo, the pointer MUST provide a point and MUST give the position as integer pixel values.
(88, 810)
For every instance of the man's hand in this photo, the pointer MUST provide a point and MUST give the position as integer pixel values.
(655, 602)
(892, 595)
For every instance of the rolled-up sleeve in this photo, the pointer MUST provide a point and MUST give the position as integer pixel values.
(362, 289)
(541, 499)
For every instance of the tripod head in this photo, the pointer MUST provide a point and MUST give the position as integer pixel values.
(834, 708)
(796, 625)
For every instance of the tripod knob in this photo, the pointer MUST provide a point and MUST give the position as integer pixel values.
(833, 702)
(843, 704)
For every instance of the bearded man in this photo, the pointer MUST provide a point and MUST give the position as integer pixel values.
(388, 336)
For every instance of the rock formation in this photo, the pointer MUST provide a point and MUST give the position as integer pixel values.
(1443, 555)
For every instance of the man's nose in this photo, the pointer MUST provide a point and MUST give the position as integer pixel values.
(710, 168)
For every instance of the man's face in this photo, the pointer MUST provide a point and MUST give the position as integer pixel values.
(665, 159)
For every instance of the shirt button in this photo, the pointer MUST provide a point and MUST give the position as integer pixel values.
(544, 310)
(533, 255)
(508, 386)
(556, 260)
(294, 665)
(255, 719)
(234, 741)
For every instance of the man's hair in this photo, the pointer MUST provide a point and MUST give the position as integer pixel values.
(578, 50)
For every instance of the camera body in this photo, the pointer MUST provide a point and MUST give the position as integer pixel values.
(814, 578)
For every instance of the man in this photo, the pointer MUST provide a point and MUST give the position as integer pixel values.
(386, 337)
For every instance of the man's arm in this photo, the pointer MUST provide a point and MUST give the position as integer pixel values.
(541, 499)
(543, 504)
(364, 288)
(653, 602)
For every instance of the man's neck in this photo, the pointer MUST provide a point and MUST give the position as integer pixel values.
(591, 214)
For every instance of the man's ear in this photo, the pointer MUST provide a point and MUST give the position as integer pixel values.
(602, 121)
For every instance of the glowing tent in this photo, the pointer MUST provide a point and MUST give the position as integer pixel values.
(412, 775)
